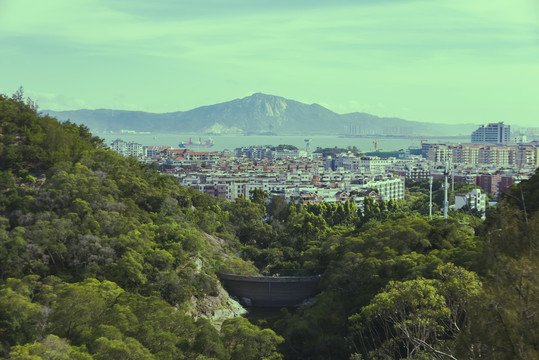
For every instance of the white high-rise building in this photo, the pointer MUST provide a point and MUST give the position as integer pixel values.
(493, 133)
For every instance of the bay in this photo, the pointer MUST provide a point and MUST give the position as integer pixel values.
(231, 142)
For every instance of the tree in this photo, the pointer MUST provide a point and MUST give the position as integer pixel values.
(50, 348)
(370, 211)
(126, 348)
(277, 208)
(20, 319)
(246, 341)
(7, 181)
(18, 95)
(504, 318)
(459, 287)
(258, 196)
(285, 147)
(208, 342)
(81, 307)
(403, 321)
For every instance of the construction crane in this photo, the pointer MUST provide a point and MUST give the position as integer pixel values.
(375, 142)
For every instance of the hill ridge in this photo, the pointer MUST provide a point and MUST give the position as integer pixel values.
(258, 113)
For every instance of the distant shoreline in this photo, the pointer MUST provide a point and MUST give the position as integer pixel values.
(230, 142)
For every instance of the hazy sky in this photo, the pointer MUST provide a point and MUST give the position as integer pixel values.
(447, 61)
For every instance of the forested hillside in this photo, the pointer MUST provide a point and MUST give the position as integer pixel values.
(104, 258)
(100, 256)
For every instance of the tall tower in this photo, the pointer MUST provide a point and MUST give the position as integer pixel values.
(446, 202)
(430, 197)
(308, 145)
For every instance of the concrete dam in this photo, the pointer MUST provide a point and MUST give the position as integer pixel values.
(271, 291)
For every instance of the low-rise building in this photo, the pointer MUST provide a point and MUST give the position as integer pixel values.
(474, 200)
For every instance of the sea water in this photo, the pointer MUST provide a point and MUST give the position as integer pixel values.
(230, 142)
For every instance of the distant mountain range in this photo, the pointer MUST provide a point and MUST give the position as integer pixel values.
(257, 114)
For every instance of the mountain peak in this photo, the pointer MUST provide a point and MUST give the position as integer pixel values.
(258, 113)
(261, 96)
(264, 106)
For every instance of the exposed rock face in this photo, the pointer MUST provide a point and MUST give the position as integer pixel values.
(263, 105)
(216, 308)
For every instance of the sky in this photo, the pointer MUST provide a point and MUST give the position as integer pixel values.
(443, 61)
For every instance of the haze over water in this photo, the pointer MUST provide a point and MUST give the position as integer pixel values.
(231, 142)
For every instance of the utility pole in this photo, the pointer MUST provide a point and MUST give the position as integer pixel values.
(452, 178)
(430, 199)
(446, 203)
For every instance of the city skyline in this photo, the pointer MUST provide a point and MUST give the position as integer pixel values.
(446, 62)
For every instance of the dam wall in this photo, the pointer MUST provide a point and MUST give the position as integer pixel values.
(271, 291)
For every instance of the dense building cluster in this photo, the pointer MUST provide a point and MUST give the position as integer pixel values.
(303, 176)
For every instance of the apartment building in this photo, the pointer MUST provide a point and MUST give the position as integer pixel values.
(374, 164)
(128, 148)
(264, 152)
(440, 154)
(388, 189)
(416, 171)
(526, 155)
(496, 155)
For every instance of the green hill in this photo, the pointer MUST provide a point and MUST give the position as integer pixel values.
(102, 257)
